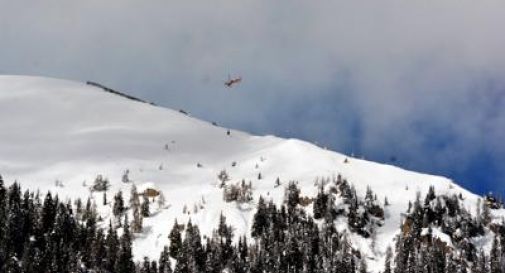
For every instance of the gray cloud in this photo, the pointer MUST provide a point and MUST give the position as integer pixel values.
(420, 80)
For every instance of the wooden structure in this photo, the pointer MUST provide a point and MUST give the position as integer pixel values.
(148, 189)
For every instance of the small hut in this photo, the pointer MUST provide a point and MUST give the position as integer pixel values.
(148, 189)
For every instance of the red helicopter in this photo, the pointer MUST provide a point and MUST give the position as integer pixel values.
(230, 82)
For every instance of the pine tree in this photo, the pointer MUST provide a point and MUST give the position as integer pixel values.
(135, 205)
(277, 182)
(78, 208)
(242, 248)
(73, 264)
(330, 213)
(161, 200)
(495, 257)
(124, 177)
(101, 183)
(175, 241)
(319, 208)
(154, 267)
(418, 216)
(294, 255)
(112, 248)
(3, 218)
(124, 260)
(260, 220)
(486, 214)
(482, 262)
(29, 214)
(65, 226)
(88, 238)
(48, 213)
(88, 211)
(28, 264)
(450, 266)
(430, 195)
(401, 257)
(12, 265)
(223, 177)
(348, 264)
(118, 208)
(146, 266)
(15, 238)
(213, 263)
(104, 198)
(193, 239)
(185, 259)
(292, 196)
(223, 230)
(354, 219)
(99, 251)
(362, 266)
(412, 262)
(164, 261)
(369, 197)
(389, 257)
(145, 207)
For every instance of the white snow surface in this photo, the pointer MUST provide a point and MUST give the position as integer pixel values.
(61, 130)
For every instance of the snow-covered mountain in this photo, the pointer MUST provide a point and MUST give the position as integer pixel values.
(55, 130)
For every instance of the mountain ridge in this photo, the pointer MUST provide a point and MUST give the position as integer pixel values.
(57, 130)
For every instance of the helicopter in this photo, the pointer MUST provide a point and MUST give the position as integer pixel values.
(232, 81)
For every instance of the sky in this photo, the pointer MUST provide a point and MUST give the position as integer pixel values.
(418, 84)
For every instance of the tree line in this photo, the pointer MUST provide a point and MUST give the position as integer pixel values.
(47, 235)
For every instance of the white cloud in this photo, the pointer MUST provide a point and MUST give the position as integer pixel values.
(411, 72)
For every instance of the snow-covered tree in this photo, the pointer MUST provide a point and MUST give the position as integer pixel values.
(137, 213)
(161, 200)
(101, 183)
(125, 177)
(175, 240)
(145, 207)
(223, 177)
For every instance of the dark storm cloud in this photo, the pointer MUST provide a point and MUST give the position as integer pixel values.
(419, 80)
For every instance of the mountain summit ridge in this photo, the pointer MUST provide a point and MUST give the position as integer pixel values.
(57, 130)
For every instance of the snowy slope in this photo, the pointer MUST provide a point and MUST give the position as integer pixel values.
(67, 131)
